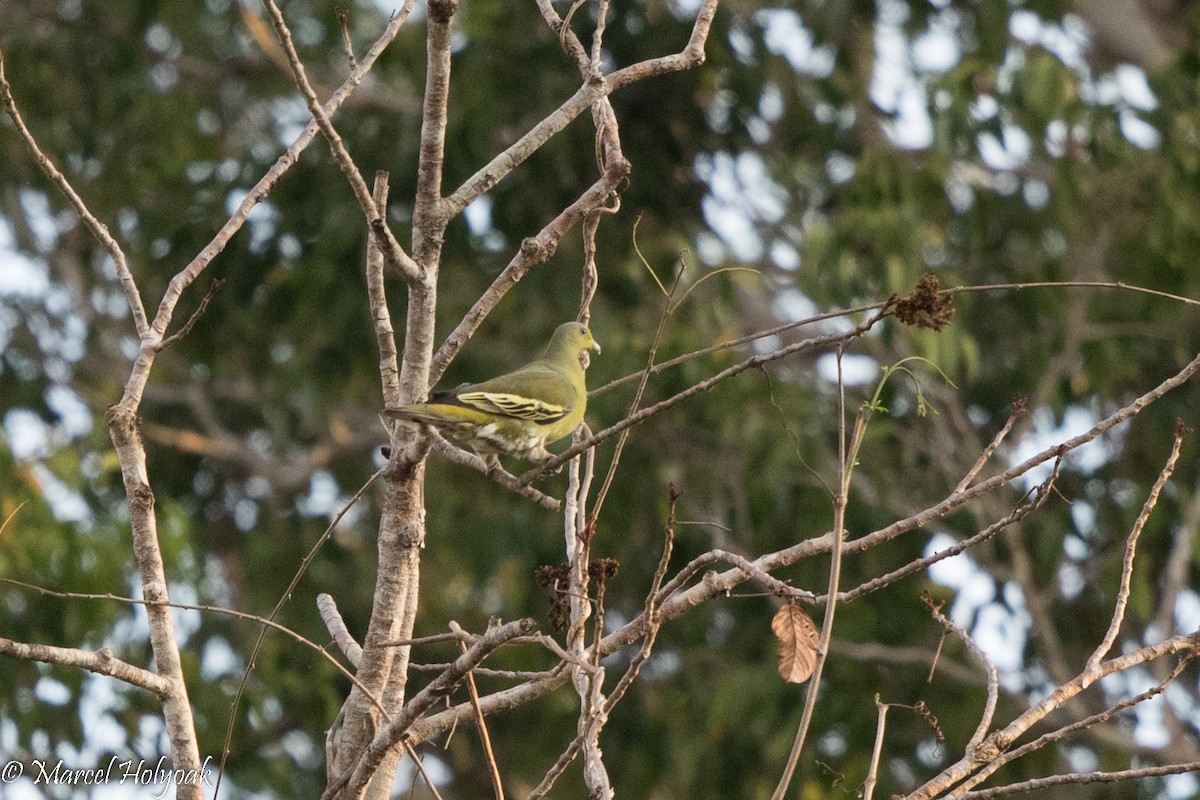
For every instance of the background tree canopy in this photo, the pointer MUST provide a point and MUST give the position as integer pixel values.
(832, 151)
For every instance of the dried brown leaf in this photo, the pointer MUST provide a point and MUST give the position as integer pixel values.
(798, 638)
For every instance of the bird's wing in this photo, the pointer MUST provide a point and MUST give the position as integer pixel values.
(539, 392)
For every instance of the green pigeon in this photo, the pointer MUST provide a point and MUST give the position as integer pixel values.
(517, 413)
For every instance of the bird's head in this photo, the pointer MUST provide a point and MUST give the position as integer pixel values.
(571, 339)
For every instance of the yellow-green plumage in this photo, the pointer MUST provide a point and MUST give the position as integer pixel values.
(520, 412)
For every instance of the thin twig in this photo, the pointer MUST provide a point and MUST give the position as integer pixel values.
(506, 674)
(412, 753)
(199, 312)
(993, 677)
(1129, 287)
(269, 621)
(738, 341)
(385, 239)
(488, 753)
(95, 226)
(1081, 778)
(1118, 615)
(653, 605)
(343, 15)
(1017, 412)
(846, 460)
(638, 393)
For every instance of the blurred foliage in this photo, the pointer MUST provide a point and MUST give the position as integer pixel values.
(797, 150)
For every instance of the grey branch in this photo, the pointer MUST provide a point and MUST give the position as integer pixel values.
(102, 662)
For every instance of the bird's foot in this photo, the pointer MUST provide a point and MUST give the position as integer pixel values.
(544, 457)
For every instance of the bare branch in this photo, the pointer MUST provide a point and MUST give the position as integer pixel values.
(385, 335)
(1079, 778)
(720, 584)
(429, 218)
(921, 564)
(393, 733)
(533, 251)
(262, 189)
(152, 577)
(1017, 412)
(749, 570)
(993, 677)
(999, 741)
(384, 238)
(1118, 616)
(101, 662)
(591, 91)
(1066, 730)
(343, 16)
(957, 499)
(97, 228)
(228, 612)
(195, 317)
(505, 479)
(652, 606)
(503, 700)
(337, 629)
(881, 710)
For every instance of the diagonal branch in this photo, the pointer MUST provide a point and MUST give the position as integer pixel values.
(591, 91)
(393, 733)
(384, 239)
(1079, 725)
(998, 742)
(1118, 615)
(261, 190)
(497, 474)
(725, 581)
(534, 250)
(97, 228)
(1020, 512)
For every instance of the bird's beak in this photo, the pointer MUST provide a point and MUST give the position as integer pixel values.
(596, 346)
